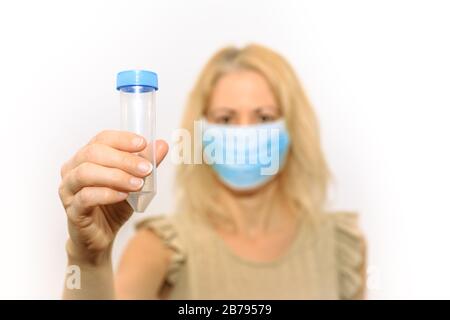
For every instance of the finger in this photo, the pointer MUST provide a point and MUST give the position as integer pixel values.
(162, 148)
(159, 149)
(93, 175)
(121, 140)
(109, 157)
(89, 197)
(64, 169)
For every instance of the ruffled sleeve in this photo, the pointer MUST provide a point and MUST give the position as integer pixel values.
(350, 251)
(164, 228)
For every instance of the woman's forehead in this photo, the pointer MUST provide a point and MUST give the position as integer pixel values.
(242, 89)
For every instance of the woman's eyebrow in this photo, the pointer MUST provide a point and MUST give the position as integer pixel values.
(266, 108)
(222, 109)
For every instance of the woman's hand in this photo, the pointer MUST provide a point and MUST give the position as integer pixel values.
(95, 183)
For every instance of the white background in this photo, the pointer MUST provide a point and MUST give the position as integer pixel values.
(376, 71)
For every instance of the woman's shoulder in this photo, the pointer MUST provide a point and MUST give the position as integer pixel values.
(345, 223)
(166, 227)
(350, 250)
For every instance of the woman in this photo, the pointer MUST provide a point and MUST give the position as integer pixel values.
(234, 235)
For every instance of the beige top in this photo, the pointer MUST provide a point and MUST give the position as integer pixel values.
(322, 264)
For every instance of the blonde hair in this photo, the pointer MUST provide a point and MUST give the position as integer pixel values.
(304, 177)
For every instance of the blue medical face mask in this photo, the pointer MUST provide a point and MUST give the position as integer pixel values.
(245, 157)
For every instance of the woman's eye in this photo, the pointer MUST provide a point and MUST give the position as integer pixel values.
(223, 120)
(266, 118)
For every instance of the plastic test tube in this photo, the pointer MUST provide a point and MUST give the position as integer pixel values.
(137, 103)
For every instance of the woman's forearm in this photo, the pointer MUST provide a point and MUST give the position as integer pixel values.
(88, 278)
(95, 281)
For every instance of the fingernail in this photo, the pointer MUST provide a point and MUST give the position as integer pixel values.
(145, 167)
(138, 141)
(122, 194)
(136, 182)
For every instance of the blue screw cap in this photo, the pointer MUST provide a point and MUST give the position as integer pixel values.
(137, 78)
